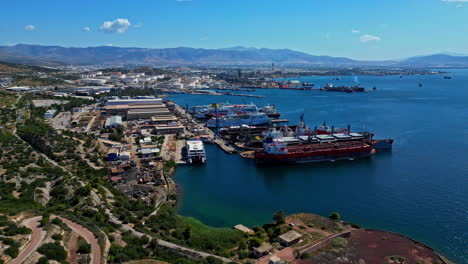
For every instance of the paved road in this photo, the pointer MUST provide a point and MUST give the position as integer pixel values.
(88, 236)
(36, 238)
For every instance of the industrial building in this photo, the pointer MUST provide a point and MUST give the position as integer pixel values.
(141, 107)
(134, 114)
(289, 238)
(169, 129)
(113, 154)
(113, 122)
(50, 113)
(135, 101)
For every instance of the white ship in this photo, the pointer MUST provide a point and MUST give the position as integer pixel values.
(195, 152)
(252, 119)
(223, 110)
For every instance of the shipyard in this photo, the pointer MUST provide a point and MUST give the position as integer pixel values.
(145, 143)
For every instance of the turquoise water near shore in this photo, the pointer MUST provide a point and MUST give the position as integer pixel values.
(420, 189)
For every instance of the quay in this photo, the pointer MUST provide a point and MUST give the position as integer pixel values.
(243, 95)
(226, 147)
(276, 121)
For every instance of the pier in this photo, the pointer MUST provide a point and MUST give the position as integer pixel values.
(226, 147)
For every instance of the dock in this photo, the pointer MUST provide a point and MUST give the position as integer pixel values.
(243, 95)
(179, 156)
(220, 141)
(276, 121)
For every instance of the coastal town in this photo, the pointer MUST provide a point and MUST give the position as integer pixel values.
(124, 143)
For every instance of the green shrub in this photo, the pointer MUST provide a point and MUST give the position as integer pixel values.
(43, 260)
(83, 247)
(12, 251)
(57, 237)
(339, 242)
(335, 216)
(53, 251)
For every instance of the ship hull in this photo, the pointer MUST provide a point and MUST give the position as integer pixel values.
(314, 159)
(351, 153)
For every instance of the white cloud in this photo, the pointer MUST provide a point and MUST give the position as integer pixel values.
(369, 38)
(183, 0)
(355, 31)
(119, 25)
(109, 45)
(138, 25)
(30, 28)
(456, 1)
(203, 38)
(86, 29)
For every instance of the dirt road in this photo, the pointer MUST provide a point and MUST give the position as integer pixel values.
(37, 236)
(88, 236)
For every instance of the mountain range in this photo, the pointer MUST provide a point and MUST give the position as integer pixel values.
(115, 56)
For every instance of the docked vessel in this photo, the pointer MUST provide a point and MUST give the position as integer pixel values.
(270, 110)
(346, 89)
(223, 110)
(252, 119)
(195, 152)
(208, 111)
(278, 149)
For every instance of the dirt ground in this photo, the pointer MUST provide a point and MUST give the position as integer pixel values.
(373, 246)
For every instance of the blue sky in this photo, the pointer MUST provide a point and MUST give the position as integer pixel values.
(359, 29)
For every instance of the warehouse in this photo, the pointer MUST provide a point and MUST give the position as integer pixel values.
(113, 122)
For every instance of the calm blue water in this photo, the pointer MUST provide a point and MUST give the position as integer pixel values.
(419, 190)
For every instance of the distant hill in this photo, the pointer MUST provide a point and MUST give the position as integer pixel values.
(50, 55)
(437, 60)
(115, 56)
(13, 68)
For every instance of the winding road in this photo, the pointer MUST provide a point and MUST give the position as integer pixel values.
(37, 236)
(88, 236)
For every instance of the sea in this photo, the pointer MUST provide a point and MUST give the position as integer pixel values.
(419, 189)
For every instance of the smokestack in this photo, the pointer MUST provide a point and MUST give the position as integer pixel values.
(349, 129)
(315, 131)
(333, 130)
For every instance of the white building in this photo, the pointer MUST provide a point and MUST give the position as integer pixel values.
(93, 81)
(113, 122)
(118, 76)
(50, 113)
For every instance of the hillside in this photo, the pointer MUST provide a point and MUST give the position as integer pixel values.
(14, 68)
(47, 55)
(438, 60)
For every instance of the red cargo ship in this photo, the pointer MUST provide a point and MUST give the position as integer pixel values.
(319, 148)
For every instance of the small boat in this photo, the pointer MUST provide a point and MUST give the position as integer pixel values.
(447, 77)
(374, 88)
(420, 85)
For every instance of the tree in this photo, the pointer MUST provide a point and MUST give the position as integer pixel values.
(45, 219)
(279, 217)
(213, 260)
(53, 251)
(187, 233)
(43, 260)
(83, 247)
(335, 216)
